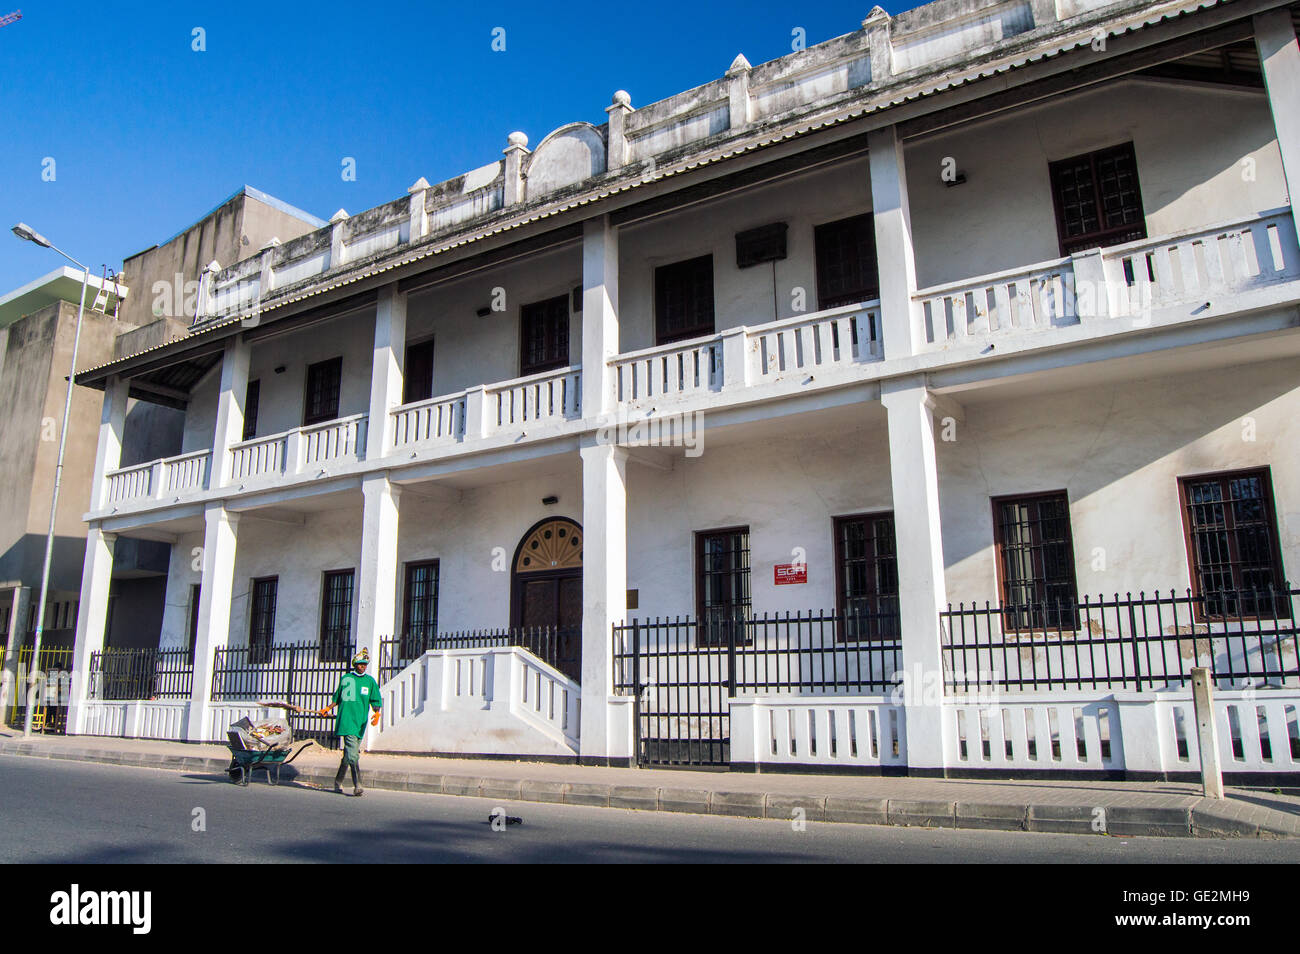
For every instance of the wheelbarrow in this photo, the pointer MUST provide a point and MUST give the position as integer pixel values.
(265, 746)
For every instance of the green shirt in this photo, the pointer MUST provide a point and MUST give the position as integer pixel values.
(355, 696)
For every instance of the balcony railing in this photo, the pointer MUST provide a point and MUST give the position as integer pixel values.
(1127, 281)
(158, 480)
(303, 448)
(749, 355)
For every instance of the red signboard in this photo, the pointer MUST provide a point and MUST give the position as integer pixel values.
(787, 573)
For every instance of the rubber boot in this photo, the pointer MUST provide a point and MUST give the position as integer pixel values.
(356, 782)
(338, 779)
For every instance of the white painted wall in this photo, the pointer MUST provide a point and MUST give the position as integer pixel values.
(1118, 452)
(741, 296)
(1190, 171)
(469, 350)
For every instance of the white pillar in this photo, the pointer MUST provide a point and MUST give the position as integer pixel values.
(599, 314)
(18, 609)
(895, 262)
(1279, 55)
(216, 588)
(377, 584)
(92, 619)
(112, 421)
(230, 408)
(387, 368)
(919, 547)
(604, 594)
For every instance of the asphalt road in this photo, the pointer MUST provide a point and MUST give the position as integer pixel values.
(68, 812)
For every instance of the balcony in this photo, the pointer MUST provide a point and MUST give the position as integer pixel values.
(301, 451)
(750, 356)
(1150, 281)
(169, 480)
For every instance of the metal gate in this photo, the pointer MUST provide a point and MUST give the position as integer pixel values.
(683, 688)
(684, 674)
(50, 711)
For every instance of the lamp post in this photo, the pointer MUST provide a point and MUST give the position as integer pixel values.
(27, 234)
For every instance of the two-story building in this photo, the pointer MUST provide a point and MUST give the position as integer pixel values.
(694, 437)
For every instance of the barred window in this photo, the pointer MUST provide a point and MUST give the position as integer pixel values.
(261, 631)
(420, 613)
(196, 591)
(1036, 562)
(684, 300)
(866, 585)
(322, 400)
(544, 335)
(1097, 199)
(846, 262)
(722, 584)
(336, 616)
(1232, 544)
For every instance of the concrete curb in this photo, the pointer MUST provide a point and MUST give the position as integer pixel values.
(1120, 821)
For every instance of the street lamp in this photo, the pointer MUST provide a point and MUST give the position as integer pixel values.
(28, 234)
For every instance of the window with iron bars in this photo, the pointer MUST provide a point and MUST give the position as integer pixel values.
(261, 629)
(336, 616)
(846, 262)
(322, 399)
(544, 335)
(866, 584)
(420, 608)
(1232, 545)
(684, 300)
(1036, 562)
(722, 585)
(1097, 199)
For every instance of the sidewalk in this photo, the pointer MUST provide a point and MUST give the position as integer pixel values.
(1129, 808)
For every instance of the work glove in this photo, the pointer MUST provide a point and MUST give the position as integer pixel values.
(374, 718)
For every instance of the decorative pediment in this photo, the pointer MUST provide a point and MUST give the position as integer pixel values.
(570, 154)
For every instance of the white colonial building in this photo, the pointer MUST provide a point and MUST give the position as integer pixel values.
(962, 347)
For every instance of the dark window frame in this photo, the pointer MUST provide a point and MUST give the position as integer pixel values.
(877, 625)
(261, 639)
(196, 594)
(556, 348)
(1201, 605)
(333, 649)
(411, 394)
(1057, 619)
(663, 275)
(327, 410)
(252, 400)
(708, 632)
(412, 640)
(860, 291)
(1102, 236)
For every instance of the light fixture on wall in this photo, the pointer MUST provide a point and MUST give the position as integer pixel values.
(484, 311)
(279, 369)
(550, 500)
(958, 179)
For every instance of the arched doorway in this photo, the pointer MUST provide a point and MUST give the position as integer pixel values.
(546, 593)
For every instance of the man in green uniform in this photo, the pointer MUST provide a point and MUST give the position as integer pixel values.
(356, 695)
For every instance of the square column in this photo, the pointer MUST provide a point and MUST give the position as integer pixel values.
(92, 620)
(377, 582)
(220, 534)
(1279, 57)
(895, 262)
(922, 596)
(599, 314)
(230, 408)
(387, 370)
(108, 453)
(604, 596)
(22, 600)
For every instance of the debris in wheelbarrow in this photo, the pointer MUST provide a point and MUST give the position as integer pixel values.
(262, 745)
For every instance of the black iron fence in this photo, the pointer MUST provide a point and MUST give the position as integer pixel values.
(559, 647)
(302, 674)
(1247, 638)
(120, 673)
(684, 673)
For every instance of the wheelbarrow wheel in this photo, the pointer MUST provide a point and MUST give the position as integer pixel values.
(235, 773)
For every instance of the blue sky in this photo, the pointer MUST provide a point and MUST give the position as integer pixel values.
(146, 134)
